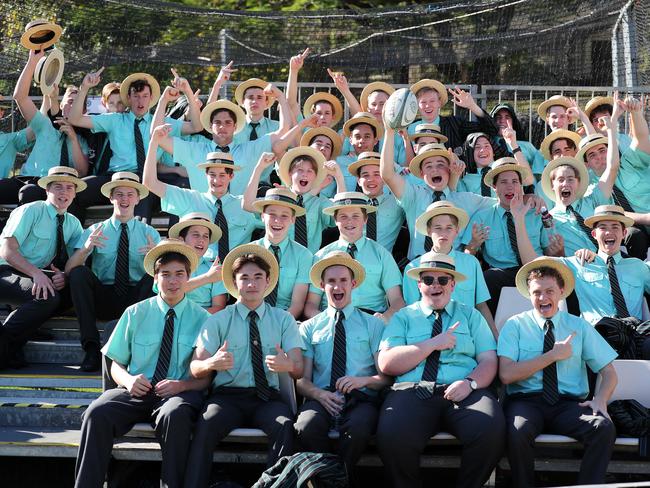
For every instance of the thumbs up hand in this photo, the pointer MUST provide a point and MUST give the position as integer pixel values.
(222, 359)
(280, 362)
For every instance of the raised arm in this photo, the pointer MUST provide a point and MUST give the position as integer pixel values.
(287, 120)
(608, 178)
(341, 83)
(387, 164)
(638, 125)
(295, 65)
(77, 117)
(519, 209)
(266, 160)
(574, 112)
(510, 136)
(224, 75)
(149, 174)
(192, 125)
(281, 143)
(21, 92)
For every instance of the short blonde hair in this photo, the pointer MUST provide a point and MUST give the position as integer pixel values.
(109, 89)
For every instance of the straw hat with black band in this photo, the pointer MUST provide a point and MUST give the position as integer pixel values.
(428, 130)
(433, 261)
(219, 160)
(370, 88)
(64, 174)
(125, 86)
(545, 146)
(308, 138)
(609, 212)
(124, 178)
(279, 196)
(292, 154)
(244, 250)
(597, 102)
(312, 100)
(49, 71)
(240, 91)
(337, 258)
(501, 166)
(589, 142)
(349, 199)
(210, 108)
(560, 100)
(521, 280)
(365, 158)
(425, 152)
(580, 169)
(166, 246)
(441, 207)
(363, 118)
(196, 218)
(434, 85)
(40, 34)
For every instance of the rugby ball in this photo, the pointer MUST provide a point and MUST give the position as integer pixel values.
(400, 109)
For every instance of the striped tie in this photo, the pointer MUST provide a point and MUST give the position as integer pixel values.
(486, 191)
(272, 297)
(371, 225)
(220, 221)
(550, 393)
(262, 388)
(339, 353)
(352, 250)
(512, 236)
(583, 226)
(61, 256)
(139, 145)
(165, 353)
(619, 300)
(621, 200)
(300, 229)
(430, 373)
(428, 243)
(254, 126)
(122, 263)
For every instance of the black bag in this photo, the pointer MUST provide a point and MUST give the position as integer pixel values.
(632, 420)
(626, 335)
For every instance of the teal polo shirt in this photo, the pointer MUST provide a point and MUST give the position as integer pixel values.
(121, 134)
(316, 220)
(344, 161)
(362, 337)
(181, 201)
(203, 295)
(246, 155)
(231, 324)
(104, 259)
(399, 151)
(46, 152)
(266, 127)
(295, 263)
(382, 273)
(471, 292)
(414, 323)
(471, 182)
(522, 339)
(11, 143)
(534, 157)
(390, 217)
(415, 200)
(624, 141)
(136, 339)
(167, 159)
(595, 293)
(497, 251)
(34, 225)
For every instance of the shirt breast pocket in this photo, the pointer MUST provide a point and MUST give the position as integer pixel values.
(417, 338)
(43, 236)
(359, 345)
(497, 243)
(631, 286)
(527, 352)
(595, 278)
(185, 348)
(464, 341)
(145, 351)
(288, 274)
(323, 343)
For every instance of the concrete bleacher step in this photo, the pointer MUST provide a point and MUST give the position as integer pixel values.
(39, 412)
(54, 352)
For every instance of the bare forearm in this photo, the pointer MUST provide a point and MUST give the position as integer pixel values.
(400, 359)
(17, 261)
(514, 371)
(201, 368)
(77, 259)
(608, 382)
(79, 159)
(120, 375)
(524, 246)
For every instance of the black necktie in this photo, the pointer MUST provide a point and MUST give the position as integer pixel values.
(64, 160)
(436, 197)
(61, 256)
(139, 145)
(512, 236)
(254, 126)
(225, 149)
(272, 297)
(485, 190)
(262, 388)
(352, 250)
(220, 220)
(371, 225)
(300, 229)
(122, 263)
(583, 226)
(621, 200)
(165, 353)
(339, 352)
(430, 373)
(550, 393)
(619, 300)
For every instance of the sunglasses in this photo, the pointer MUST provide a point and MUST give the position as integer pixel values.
(430, 280)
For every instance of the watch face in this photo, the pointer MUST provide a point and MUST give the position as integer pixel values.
(473, 384)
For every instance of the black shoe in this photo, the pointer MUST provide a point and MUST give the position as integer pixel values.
(92, 360)
(18, 360)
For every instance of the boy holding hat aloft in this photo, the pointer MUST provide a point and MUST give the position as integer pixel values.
(34, 248)
(380, 294)
(543, 359)
(233, 343)
(151, 348)
(341, 378)
(116, 278)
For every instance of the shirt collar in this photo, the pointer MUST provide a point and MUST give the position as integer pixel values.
(213, 198)
(348, 310)
(243, 310)
(116, 223)
(427, 310)
(617, 257)
(51, 210)
(178, 308)
(359, 243)
(282, 244)
(540, 321)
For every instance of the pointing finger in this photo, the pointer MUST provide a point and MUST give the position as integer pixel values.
(453, 327)
(305, 53)
(174, 73)
(570, 338)
(100, 70)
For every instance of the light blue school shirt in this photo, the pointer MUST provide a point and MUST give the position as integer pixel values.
(203, 295)
(11, 143)
(316, 220)
(167, 159)
(399, 151)
(471, 182)
(266, 127)
(389, 217)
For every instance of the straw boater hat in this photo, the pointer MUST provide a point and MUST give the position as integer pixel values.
(195, 218)
(363, 118)
(124, 178)
(210, 108)
(243, 250)
(368, 157)
(428, 130)
(219, 160)
(170, 245)
(337, 258)
(434, 85)
(252, 83)
(279, 196)
(545, 146)
(609, 212)
(589, 142)
(309, 136)
(441, 207)
(428, 151)
(433, 261)
(349, 199)
(371, 88)
(505, 164)
(62, 173)
(596, 102)
(292, 154)
(40, 34)
(49, 71)
(125, 86)
(545, 262)
(312, 100)
(581, 171)
(551, 102)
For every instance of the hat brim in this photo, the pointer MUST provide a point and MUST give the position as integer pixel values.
(327, 97)
(206, 166)
(596, 102)
(583, 174)
(373, 87)
(152, 256)
(208, 110)
(291, 154)
(31, 38)
(331, 210)
(414, 273)
(422, 222)
(440, 137)
(260, 203)
(546, 104)
(354, 121)
(78, 182)
(594, 219)
(49, 71)
(494, 172)
(545, 146)
(106, 189)
(562, 269)
(582, 153)
(128, 81)
(331, 134)
(316, 271)
(355, 167)
(434, 85)
(252, 83)
(414, 165)
(265, 254)
(215, 231)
